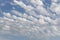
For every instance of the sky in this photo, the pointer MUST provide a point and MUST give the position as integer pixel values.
(29, 19)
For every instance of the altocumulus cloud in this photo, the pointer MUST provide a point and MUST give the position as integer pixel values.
(36, 22)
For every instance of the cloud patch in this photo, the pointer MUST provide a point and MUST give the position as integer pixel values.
(36, 22)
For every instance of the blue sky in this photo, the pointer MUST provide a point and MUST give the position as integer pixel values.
(29, 20)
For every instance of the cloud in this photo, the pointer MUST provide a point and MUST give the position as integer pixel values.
(36, 22)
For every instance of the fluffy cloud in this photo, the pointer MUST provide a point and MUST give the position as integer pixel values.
(36, 22)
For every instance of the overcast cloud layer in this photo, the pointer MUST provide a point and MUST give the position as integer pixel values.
(38, 19)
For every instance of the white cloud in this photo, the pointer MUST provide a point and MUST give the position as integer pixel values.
(36, 22)
(6, 27)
